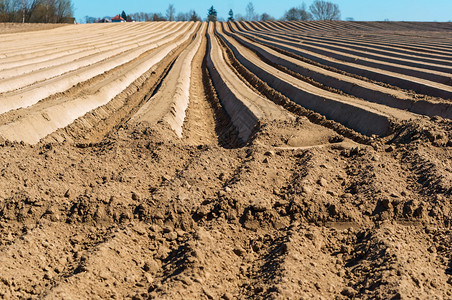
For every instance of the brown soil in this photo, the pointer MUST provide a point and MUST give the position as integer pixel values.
(200, 123)
(19, 27)
(306, 207)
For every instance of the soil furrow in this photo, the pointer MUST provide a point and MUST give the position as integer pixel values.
(117, 55)
(362, 89)
(40, 123)
(403, 81)
(77, 56)
(192, 170)
(317, 99)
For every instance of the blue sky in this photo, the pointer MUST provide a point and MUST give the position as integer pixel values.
(360, 10)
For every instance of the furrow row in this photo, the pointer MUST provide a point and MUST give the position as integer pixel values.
(350, 85)
(408, 82)
(45, 117)
(367, 119)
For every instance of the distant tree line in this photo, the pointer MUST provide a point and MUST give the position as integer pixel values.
(250, 15)
(318, 10)
(142, 17)
(36, 11)
(170, 15)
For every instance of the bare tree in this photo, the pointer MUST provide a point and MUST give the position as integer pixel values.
(158, 17)
(266, 17)
(194, 16)
(40, 11)
(324, 10)
(297, 14)
(12, 10)
(171, 12)
(182, 17)
(6, 11)
(30, 7)
(135, 16)
(23, 11)
(63, 10)
(240, 18)
(251, 13)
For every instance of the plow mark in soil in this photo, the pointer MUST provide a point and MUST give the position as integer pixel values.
(188, 160)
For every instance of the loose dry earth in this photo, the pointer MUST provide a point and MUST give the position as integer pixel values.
(280, 160)
(19, 27)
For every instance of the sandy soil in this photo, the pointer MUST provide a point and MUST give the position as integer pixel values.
(19, 27)
(116, 203)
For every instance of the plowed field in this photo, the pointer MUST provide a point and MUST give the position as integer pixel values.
(181, 160)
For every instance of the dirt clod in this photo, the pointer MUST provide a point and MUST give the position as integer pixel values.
(257, 197)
